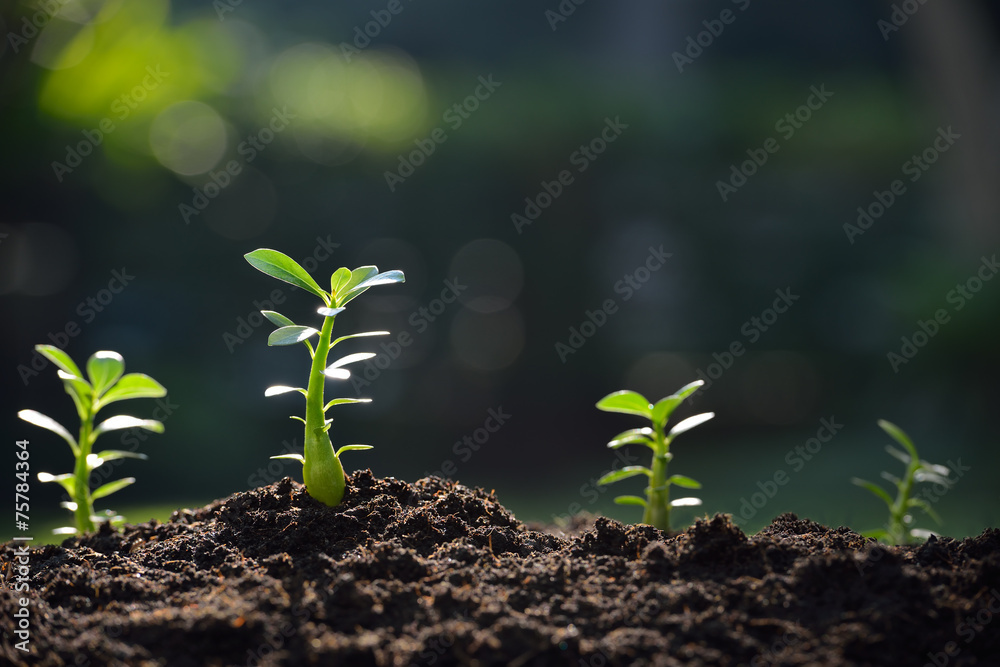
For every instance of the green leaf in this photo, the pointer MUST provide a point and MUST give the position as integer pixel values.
(279, 389)
(38, 419)
(628, 402)
(281, 266)
(630, 500)
(330, 312)
(291, 335)
(359, 335)
(112, 454)
(277, 319)
(103, 370)
(931, 477)
(358, 275)
(295, 457)
(352, 448)
(625, 473)
(690, 423)
(633, 436)
(124, 421)
(878, 534)
(686, 482)
(874, 488)
(339, 278)
(59, 358)
(688, 389)
(900, 437)
(355, 288)
(334, 370)
(345, 401)
(64, 530)
(925, 506)
(111, 487)
(895, 453)
(66, 480)
(664, 408)
(686, 502)
(80, 391)
(132, 385)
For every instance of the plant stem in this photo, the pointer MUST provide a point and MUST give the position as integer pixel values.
(657, 512)
(84, 505)
(897, 526)
(321, 470)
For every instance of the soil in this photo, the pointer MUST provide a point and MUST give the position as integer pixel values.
(435, 573)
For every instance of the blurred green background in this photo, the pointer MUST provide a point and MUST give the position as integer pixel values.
(148, 144)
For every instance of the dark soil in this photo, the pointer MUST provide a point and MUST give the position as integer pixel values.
(435, 573)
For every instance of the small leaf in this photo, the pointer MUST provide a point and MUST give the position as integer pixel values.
(359, 335)
(630, 500)
(688, 389)
(124, 421)
(59, 358)
(925, 506)
(279, 389)
(297, 417)
(112, 454)
(922, 533)
(664, 408)
(132, 385)
(632, 436)
(277, 319)
(111, 487)
(932, 478)
(686, 482)
(900, 437)
(294, 457)
(625, 473)
(685, 502)
(352, 448)
(290, 335)
(345, 401)
(66, 480)
(80, 391)
(874, 488)
(690, 423)
(64, 530)
(281, 266)
(350, 359)
(330, 312)
(355, 288)
(628, 402)
(104, 368)
(902, 456)
(38, 419)
(889, 477)
(339, 278)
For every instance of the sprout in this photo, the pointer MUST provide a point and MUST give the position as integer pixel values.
(321, 469)
(106, 385)
(657, 502)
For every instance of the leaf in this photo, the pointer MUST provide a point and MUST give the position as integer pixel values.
(345, 401)
(889, 477)
(295, 457)
(80, 391)
(931, 477)
(352, 448)
(64, 530)
(628, 402)
(277, 319)
(690, 423)
(686, 502)
(922, 533)
(330, 312)
(278, 389)
(633, 436)
(878, 534)
(124, 421)
(103, 370)
(356, 289)
(66, 480)
(925, 506)
(688, 389)
(630, 500)
(900, 437)
(38, 419)
(59, 358)
(625, 473)
(291, 335)
(359, 335)
(358, 276)
(349, 359)
(112, 454)
(686, 482)
(281, 266)
(664, 408)
(339, 278)
(132, 385)
(874, 488)
(895, 453)
(111, 487)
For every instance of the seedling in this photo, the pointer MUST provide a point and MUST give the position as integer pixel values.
(657, 502)
(898, 530)
(321, 468)
(106, 385)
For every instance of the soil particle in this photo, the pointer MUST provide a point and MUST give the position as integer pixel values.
(435, 573)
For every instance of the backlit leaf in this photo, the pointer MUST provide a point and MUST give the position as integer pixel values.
(290, 335)
(690, 423)
(103, 370)
(628, 402)
(59, 358)
(281, 266)
(38, 419)
(132, 385)
(111, 487)
(625, 473)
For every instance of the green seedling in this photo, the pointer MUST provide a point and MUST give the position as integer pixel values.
(898, 530)
(105, 384)
(322, 471)
(657, 502)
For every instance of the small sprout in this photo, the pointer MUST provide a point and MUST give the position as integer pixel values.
(321, 469)
(105, 384)
(657, 502)
(898, 530)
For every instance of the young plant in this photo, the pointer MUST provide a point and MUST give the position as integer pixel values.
(105, 384)
(897, 530)
(321, 469)
(657, 502)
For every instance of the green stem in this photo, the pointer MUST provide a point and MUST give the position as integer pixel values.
(321, 470)
(897, 527)
(657, 512)
(84, 504)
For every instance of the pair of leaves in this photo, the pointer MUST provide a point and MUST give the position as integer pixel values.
(634, 403)
(68, 482)
(346, 448)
